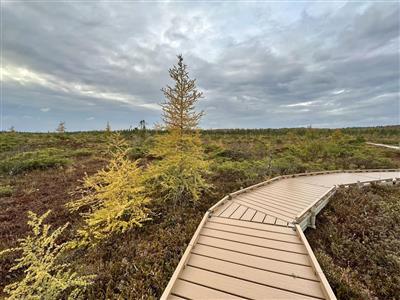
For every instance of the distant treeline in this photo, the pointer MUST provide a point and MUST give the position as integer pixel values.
(384, 130)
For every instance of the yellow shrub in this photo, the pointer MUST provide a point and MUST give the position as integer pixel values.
(179, 175)
(44, 276)
(112, 199)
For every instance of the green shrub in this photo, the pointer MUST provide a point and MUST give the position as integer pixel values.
(81, 152)
(287, 165)
(137, 152)
(6, 191)
(27, 161)
(368, 159)
(231, 175)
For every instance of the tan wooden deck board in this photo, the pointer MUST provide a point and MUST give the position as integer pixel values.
(281, 223)
(253, 232)
(252, 225)
(270, 219)
(175, 297)
(285, 202)
(255, 275)
(249, 249)
(295, 185)
(239, 212)
(347, 178)
(229, 210)
(278, 255)
(290, 196)
(289, 193)
(236, 286)
(268, 204)
(267, 210)
(289, 269)
(191, 290)
(253, 240)
(258, 217)
(248, 215)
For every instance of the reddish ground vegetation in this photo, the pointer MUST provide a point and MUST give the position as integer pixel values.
(39, 191)
(357, 242)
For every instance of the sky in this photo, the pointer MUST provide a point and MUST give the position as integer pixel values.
(259, 64)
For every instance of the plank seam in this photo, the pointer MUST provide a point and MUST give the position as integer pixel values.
(289, 234)
(267, 209)
(210, 236)
(250, 235)
(180, 296)
(255, 255)
(230, 204)
(215, 289)
(252, 198)
(234, 210)
(253, 267)
(255, 282)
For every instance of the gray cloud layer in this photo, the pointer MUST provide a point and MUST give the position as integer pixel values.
(259, 65)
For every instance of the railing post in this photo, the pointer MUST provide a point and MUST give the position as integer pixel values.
(313, 217)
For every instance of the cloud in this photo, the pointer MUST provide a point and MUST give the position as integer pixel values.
(259, 64)
(307, 103)
(45, 109)
(338, 92)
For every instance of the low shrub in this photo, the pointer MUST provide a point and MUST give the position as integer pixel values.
(137, 153)
(357, 242)
(45, 275)
(231, 175)
(287, 165)
(27, 161)
(6, 191)
(81, 152)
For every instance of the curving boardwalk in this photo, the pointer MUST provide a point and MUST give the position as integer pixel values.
(250, 245)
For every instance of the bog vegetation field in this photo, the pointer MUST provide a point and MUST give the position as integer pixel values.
(41, 172)
(357, 242)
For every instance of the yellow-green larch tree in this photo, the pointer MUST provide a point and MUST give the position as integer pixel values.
(46, 275)
(112, 200)
(179, 174)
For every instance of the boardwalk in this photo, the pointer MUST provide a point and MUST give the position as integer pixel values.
(250, 245)
(386, 146)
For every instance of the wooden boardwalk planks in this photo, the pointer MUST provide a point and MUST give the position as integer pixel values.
(250, 247)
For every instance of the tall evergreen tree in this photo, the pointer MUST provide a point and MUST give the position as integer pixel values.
(61, 127)
(179, 174)
(179, 108)
(108, 127)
